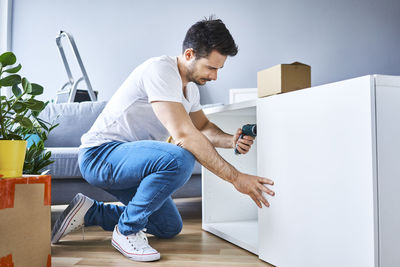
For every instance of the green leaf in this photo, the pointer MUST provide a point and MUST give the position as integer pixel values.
(47, 155)
(44, 126)
(42, 165)
(25, 122)
(18, 118)
(30, 102)
(28, 166)
(35, 105)
(19, 107)
(16, 90)
(10, 80)
(36, 89)
(14, 136)
(37, 153)
(26, 85)
(7, 58)
(54, 126)
(43, 136)
(28, 154)
(14, 69)
(40, 145)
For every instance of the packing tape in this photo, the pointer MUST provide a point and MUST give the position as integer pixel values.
(7, 189)
(8, 262)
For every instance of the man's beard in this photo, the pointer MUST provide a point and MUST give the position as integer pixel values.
(200, 81)
(191, 76)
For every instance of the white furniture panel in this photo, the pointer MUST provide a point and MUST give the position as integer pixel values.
(226, 212)
(316, 144)
(388, 160)
(333, 152)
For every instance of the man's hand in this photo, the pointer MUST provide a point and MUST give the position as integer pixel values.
(254, 186)
(244, 143)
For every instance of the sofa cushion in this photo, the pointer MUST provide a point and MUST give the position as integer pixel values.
(74, 120)
(65, 163)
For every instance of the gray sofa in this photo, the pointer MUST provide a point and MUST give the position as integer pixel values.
(75, 119)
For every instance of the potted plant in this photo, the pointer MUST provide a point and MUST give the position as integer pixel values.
(19, 121)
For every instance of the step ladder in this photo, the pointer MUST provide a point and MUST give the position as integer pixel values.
(69, 92)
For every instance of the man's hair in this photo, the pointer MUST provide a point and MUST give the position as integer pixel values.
(208, 35)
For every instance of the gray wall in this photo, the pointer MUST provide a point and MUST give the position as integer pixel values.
(340, 39)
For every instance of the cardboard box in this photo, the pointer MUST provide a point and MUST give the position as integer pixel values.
(25, 206)
(283, 78)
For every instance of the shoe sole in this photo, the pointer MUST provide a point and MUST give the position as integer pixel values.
(149, 257)
(65, 218)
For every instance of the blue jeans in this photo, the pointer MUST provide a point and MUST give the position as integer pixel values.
(142, 175)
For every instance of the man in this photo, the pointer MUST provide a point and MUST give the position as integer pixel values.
(121, 154)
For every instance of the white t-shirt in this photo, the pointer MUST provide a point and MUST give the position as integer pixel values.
(129, 116)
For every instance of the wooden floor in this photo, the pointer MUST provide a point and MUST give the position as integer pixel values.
(193, 247)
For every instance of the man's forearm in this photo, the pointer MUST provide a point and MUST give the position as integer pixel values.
(206, 154)
(217, 137)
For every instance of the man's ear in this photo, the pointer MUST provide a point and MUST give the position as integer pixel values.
(189, 54)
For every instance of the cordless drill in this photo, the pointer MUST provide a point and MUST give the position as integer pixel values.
(248, 129)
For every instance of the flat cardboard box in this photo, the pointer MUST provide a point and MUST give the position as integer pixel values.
(25, 207)
(283, 78)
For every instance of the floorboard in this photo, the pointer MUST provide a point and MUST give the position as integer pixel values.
(193, 247)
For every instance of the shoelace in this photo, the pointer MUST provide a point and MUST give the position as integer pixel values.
(139, 240)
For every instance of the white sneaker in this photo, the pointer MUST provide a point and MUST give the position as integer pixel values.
(72, 218)
(135, 246)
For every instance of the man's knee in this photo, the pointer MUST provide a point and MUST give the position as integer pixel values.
(172, 231)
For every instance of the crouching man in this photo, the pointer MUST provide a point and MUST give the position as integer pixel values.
(124, 153)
